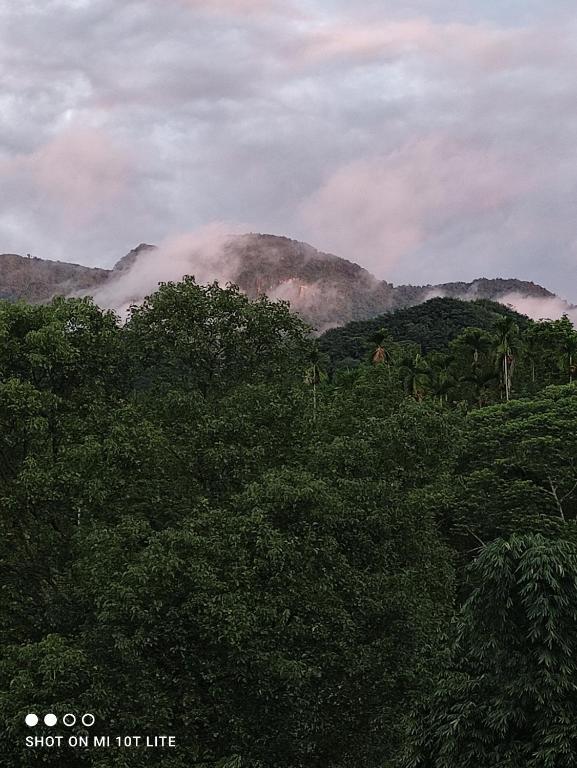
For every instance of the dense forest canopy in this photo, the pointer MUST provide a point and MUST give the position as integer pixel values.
(356, 553)
(431, 325)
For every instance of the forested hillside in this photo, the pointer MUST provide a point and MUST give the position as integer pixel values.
(431, 325)
(209, 531)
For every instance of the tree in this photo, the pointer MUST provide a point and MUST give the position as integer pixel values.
(567, 347)
(483, 382)
(506, 345)
(416, 375)
(442, 380)
(67, 347)
(475, 343)
(383, 348)
(515, 471)
(207, 337)
(431, 325)
(510, 695)
(534, 347)
(315, 374)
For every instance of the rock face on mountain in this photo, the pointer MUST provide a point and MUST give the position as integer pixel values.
(327, 290)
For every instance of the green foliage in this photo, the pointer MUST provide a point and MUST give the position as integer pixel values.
(211, 337)
(214, 527)
(201, 535)
(66, 347)
(515, 471)
(508, 697)
(431, 325)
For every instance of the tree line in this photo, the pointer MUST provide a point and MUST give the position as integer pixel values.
(507, 355)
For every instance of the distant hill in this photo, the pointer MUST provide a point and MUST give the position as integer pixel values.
(431, 325)
(34, 279)
(326, 290)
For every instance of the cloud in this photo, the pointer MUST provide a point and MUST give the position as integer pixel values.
(201, 254)
(384, 208)
(482, 48)
(79, 172)
(59, 196)
(540, 309)
(415, 137)
(417, 36)
(240, 7)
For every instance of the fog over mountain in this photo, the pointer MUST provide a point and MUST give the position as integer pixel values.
(325, 289)
(427, 140)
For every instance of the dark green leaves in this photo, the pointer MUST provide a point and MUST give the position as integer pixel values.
(510, 696)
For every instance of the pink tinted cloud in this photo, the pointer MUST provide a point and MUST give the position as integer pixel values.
(482, 46)
(396, 37)
(381, 209)
(80, 172)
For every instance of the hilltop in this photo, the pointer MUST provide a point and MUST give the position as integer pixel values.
(431, 325)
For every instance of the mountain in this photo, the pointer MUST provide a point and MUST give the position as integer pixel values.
(327, 290)
(34, 279)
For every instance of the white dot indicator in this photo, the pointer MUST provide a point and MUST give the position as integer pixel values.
(50, 720)
(88, 720)
(31, 720)
(69, 720)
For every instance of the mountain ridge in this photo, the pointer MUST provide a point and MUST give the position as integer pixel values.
(327, 290)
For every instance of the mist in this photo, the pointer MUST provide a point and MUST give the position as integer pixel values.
(540, 309)
(201, 254)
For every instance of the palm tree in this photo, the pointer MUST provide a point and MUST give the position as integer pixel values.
(442, 380)
(569, 352)
(482, 381)
(383, 348)
(506, 345)
(416, 375)
(476, 342)
(533, 347)
(315, 374)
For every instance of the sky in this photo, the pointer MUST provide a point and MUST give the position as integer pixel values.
(429, 140)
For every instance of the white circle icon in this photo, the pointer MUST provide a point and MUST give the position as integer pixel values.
(69, 720)
(88, 720)
(50, 720)
(31, 720)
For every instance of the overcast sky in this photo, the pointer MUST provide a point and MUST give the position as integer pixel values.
(429, 141)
